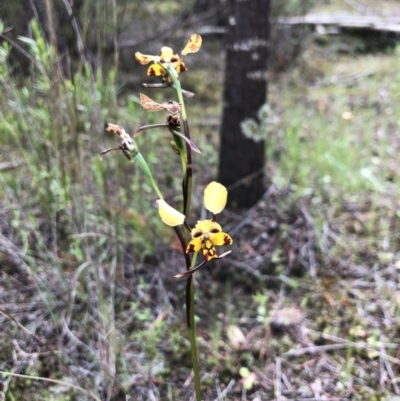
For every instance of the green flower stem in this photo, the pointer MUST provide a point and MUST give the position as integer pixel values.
(187, 198)
(184, 168)
(177, 85)
(179, 143)
(178, 88)
(187, 182)
(192, 330)
(189, 186)
(182, 240)
(138, 158)
(192, 339)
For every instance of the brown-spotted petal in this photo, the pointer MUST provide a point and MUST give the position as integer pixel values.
(146, 59)
(156, 70)
(149, 104)
(193, 45)
(220, 239)
(180, 67)
(194, 245)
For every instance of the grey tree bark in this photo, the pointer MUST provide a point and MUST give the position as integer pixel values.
(245, 89)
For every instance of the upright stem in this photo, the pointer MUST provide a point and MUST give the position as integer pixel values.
(187, 198)
(187, 181)
(192, 336)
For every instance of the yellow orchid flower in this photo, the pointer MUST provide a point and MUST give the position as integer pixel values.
(160, 63)
(207, 234)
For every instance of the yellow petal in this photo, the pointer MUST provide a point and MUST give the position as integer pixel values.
(156, 70)
(194, 245)
(215, 197)
(205, 227)
(220, 239)
(193, 45)
(167, 55)
(169, 215)
(145, 59)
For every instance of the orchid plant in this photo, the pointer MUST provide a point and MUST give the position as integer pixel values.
(206, 235)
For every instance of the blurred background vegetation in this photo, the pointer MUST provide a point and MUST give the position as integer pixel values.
(87, 294)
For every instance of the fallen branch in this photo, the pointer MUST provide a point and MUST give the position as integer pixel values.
(346, 21)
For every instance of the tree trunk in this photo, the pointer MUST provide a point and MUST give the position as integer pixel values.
(245, 89)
